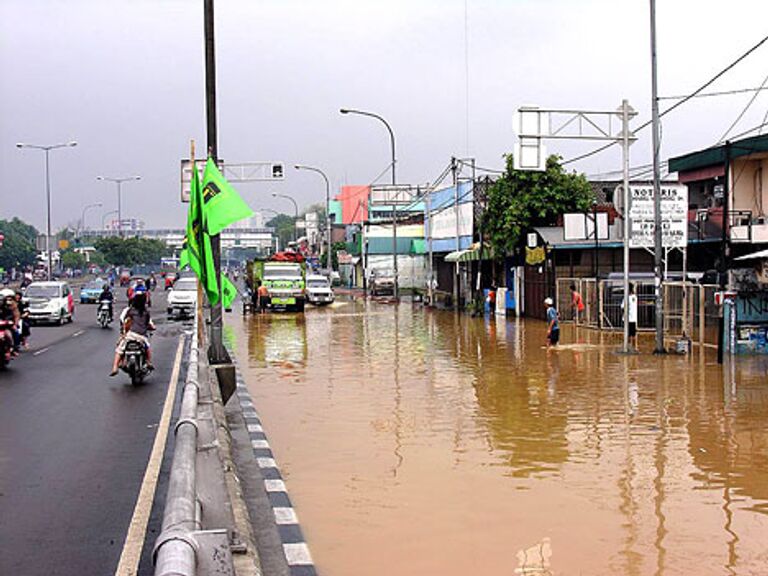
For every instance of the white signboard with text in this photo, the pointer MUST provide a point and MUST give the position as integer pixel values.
(674, 216)
(443, 222)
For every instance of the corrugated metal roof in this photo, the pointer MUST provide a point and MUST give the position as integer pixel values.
(716, 154)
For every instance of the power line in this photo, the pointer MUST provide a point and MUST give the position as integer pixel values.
(677, 104)
(744, 111)
(720, 93)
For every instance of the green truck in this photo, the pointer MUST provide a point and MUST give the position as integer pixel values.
(285, 280)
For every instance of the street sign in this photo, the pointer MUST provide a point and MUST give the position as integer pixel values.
(242, 172)
(674, 216)
(581, 226)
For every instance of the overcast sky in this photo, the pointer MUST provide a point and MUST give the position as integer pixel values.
(126, 80)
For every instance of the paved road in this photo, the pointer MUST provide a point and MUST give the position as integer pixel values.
(74, 446)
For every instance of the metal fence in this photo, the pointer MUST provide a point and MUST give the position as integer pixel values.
(689, 308)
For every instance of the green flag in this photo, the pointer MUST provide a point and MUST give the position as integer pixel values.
(197, 252)
(222, 204)
(184, 256)
(228, 291)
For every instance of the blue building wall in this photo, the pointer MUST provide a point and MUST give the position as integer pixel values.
(445, 199)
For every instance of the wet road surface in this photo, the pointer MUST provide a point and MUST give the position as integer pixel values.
(424, 442)
(74, 446)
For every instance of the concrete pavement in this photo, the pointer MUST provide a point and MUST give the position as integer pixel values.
(74, 446)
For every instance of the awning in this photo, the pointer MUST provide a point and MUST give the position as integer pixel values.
(471, 254)
(754, 255)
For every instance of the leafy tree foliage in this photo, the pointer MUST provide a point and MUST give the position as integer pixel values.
(18, 248)
(284, 226)
(335, 247)
(522, 199)
(72, 259)
(131, 251)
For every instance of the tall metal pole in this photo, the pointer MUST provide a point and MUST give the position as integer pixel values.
(625, 163)
(430, 279)
(657, 243)
(216, 352)
(47, 149)
(394, 182)
(120, 208)
(48, 202)
(458, 238)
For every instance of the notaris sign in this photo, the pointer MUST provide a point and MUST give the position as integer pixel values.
(674, 216)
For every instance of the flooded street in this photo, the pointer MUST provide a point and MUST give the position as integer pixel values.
(418, 442)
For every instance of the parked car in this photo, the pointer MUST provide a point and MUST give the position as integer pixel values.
(90, 292)
(382, 282)
(318, 290)
(50, 302)
(182, 298)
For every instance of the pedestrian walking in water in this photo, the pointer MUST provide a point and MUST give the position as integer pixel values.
(553, 323)
(632, 317)
(577, 304)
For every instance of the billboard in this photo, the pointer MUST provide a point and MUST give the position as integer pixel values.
(674, 216)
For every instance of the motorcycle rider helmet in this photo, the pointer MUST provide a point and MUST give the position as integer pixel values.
(140, 289)
(6, 292)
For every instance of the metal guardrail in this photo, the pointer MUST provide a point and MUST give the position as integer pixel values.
(175, 550)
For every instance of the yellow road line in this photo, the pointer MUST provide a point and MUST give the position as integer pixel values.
(134, 540)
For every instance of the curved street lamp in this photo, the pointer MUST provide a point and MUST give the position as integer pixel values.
(82, 216)
(104, 218)
(394, 209)
(296, 214)
(119, 182)
(329, 263)
(47, 149)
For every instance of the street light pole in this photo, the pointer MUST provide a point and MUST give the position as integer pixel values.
(47, 149)
(295, 211)
(328, 239)
(82, 216)
(104, 217)
(394, 180)
(119, 182)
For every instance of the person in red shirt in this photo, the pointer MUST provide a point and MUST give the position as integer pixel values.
(577, 304)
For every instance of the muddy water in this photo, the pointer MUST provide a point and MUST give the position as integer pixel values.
(419, 443)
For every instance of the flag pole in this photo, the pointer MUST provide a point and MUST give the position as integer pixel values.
(200, 323)
(216, 352)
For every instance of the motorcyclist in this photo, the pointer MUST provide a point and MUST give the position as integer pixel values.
(24, 327)
(107, 296)
(9, 315)
(136, 326)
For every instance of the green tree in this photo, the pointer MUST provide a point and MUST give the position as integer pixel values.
(131, 251)
(284, 226)
(521, 199)
(72, 259)
(335, 247)
(18, 249)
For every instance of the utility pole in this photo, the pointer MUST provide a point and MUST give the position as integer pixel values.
(216, 352)
(430, 279)
(657, 244)
(454, 175)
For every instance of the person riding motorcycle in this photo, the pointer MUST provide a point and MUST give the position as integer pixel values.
(9, 316)
(107, 296)
(136, 326)
(24, 328)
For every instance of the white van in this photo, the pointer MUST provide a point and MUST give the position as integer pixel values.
(50, 302)
(318, 290)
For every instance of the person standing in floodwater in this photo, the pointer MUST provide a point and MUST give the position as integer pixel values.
(632, 317)
(553, 323)
(577, 304)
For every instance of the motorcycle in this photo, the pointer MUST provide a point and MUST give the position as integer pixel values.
(135, 362)
(104, 313)
(5, 346)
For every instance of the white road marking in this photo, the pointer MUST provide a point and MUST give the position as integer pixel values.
(297, 554)
(134, 540)
(274, 486)
(285, 516)
(259, 443)
(41, 351)
(76, 334)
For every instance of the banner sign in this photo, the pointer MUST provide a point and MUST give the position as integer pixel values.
(674, 216)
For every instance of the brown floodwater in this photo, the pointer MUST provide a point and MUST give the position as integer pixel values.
(419, 442)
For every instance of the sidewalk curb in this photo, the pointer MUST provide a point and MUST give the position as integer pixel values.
(294, 546)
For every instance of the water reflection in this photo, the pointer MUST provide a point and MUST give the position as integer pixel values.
(445, 443)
